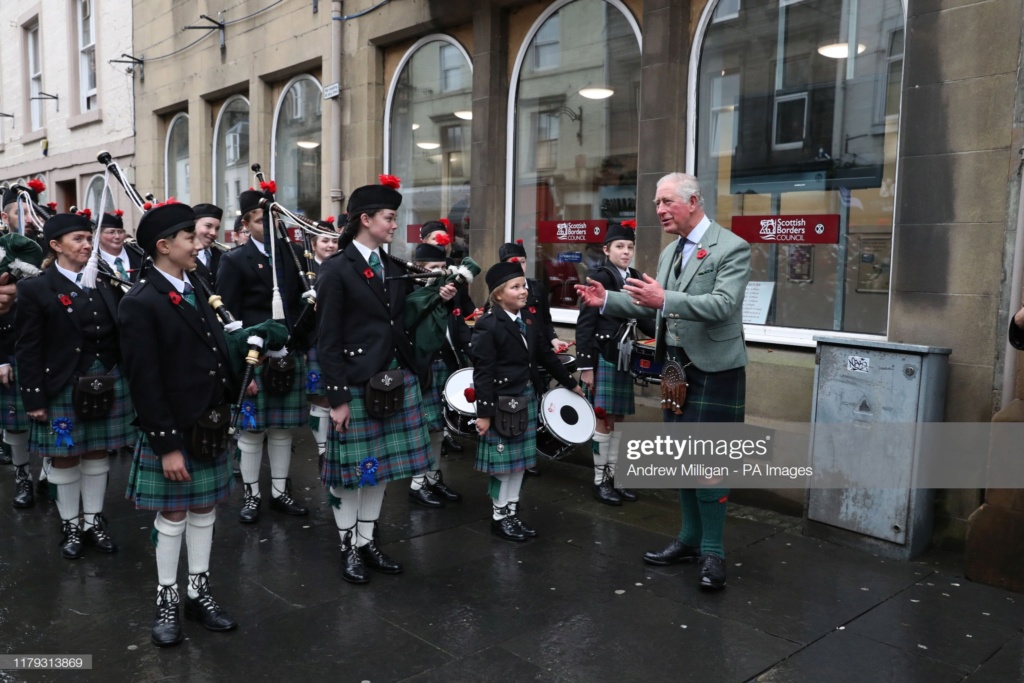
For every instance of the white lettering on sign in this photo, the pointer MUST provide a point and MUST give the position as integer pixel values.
(569, 232)
(783, 229)
(857, 363)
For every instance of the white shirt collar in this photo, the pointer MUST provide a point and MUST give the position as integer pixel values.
(109, 258)
(203, 256)
(259, 245)
(697, 234)
(365, 251)
(69, 274)
(514, 316)
(178, 284)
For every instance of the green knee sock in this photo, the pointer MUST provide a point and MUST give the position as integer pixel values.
(712, 504)
(690, 528)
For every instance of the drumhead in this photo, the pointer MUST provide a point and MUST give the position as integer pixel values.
(455, 391)
(568, 415)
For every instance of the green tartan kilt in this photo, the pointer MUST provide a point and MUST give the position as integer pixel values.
(314, 375)
(113, 432)
(496, 454)
(613, 389)
(711, 396)
(399, 447)
(12, 411)
(281, 412)
(433, 397)
(211, 481)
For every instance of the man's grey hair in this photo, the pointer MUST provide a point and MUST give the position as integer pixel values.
(686, 186)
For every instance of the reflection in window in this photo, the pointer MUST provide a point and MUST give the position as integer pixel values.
(297, 147)
(575, 141)
(727, 9)
(231, 156)
(176, 165)
(827, 82)
(92, 196)
(430, 120)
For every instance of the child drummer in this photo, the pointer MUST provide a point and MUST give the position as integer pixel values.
(600, 339)
(507, 345)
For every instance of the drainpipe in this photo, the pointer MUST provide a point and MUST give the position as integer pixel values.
(1016, 281)
(337, 39)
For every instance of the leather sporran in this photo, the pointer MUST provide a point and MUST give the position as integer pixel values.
(384, 394)
(512, 416)
(208, 437)
(279, 375)
(673, 387)
(93, 396)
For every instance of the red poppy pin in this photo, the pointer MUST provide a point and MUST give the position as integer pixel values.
(368, 273)
(701, 253)
(174, 297)
(457, 312)
(64, 299)
(532, 309)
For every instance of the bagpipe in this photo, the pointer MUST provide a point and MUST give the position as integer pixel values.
(20, 255)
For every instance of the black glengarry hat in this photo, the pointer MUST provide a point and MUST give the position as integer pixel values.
(63, 223)
(429, 252)
(510, 249)
(500, 273)
(369, 198)
(623, 231)
(208, 211)
(163, 221)
(249, 201)
(112, 220)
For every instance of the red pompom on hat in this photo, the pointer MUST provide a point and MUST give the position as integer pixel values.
(394, 182)
(118, 212)
(147, 206)
(446, 223)
(36, 185)
(52, 205)
(269, 186)
(443, 240)
(519, 241)
(629, 223)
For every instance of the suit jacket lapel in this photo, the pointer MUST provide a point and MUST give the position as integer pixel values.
(62, 286)
(709, 240)
(107, 294)
(261, 264)
(204, 308)
(187, 313)
(360, 265)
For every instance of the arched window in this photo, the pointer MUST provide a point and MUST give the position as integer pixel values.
(231, 157)
(176, 165)
(573, 108)
(297, 145)
(92, 197)
(793, 137)
(427, 142)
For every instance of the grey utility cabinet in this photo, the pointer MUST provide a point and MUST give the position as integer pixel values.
(867, 383)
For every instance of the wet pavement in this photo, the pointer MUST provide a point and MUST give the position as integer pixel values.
(575, 604)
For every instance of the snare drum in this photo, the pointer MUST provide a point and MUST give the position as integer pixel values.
(458, 411)
(566, 359)
(567, 420)
(642, 364)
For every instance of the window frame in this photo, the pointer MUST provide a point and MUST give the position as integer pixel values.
(558, 315)
(34, 77)
(291, 114)
(216, 137)
(85, 64)
(175, 120)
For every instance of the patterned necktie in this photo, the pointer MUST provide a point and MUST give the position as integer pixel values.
(677, 260)
(376, 266)
(119, 264)
(522, 326)
(206, 257)
(78, 279)
(189, 295)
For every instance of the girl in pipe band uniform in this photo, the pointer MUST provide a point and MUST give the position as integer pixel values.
(208, 218)
(179, 367)
(508, 342)
(245, 284)
(597, 351)
(67, 332)
(319, 408)
(362, 343)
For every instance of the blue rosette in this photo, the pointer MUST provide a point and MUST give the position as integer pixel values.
(248, 415)
(312, 382)
(62, 427)
(368, 471)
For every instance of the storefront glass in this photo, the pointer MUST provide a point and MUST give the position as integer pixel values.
(297, 147)
(231, 158)
(429, 140)
(176, 168)
(796, 152)
(575, 140)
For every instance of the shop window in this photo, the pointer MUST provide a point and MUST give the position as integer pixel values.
(231, 156)
(86, 56)
(176, 161)
(573, 144)
(429, 121)
(811, 93)
(297, 147)
(34, 74)
(92, 196)
(727, 9)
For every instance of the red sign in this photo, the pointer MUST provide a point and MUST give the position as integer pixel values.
(412, 233)
(791, 229)
(560, 232)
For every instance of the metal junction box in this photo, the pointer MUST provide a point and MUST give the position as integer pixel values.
(865, 383)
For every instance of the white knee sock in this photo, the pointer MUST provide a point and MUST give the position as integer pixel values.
(198, 543)
(500, 503)
(94, 487)
(69, 491)
(18, 441)
(613, 452)
(600, 456)
(322, 416)
(418, 482)
(345, 504)
(515, 484)
(279, 451)
(251, 446)
(371, 499)
(44, 471)
(168, 547)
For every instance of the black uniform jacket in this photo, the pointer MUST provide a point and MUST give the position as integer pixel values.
(538, 299)
(360, 322)
(597, 333)
(50, 340)
(8, 335)
(175, 358)
(503, 365)
(246, 285)
(209, 273)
